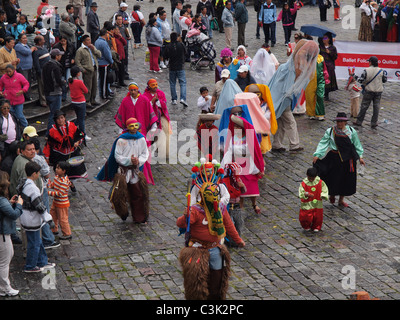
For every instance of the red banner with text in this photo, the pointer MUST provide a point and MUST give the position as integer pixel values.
(355, 54)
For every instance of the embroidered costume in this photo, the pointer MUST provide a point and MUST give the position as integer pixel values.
(311, 194)
(205, 260)
(138, 107)
(129, 181)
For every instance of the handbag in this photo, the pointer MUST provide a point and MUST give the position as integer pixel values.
(111, 76)
(363, 86)
(214, 24)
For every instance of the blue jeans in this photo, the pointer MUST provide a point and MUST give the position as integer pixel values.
(180, 75)
(18, 112)
(35, 254)
(65, 86)
(54, 103)
(47, 235)
(215, 258)
(80, 110)
(270, 32)
(88, 4)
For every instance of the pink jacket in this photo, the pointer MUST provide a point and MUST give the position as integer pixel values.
(11, 85)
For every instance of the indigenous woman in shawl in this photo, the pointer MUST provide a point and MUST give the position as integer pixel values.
(268, 111)
(329, 53)
(315, 92)
(159, 102)
(136, 105)
(339, 149)
(63, 144)
(242, 57)
(227, 62)
(124, 166)
(243, 148)
(366, 32)
(205, 260)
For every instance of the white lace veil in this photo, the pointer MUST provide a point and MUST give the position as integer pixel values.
(262, 67)
(305, 61)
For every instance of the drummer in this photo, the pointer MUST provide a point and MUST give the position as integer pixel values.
(63, 143)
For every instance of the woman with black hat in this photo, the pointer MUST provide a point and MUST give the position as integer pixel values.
(339, 150)
(63, 144)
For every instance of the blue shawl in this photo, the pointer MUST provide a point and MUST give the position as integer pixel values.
(224, 121)
(110, 168)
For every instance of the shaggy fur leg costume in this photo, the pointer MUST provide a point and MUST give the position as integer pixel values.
(199, 281)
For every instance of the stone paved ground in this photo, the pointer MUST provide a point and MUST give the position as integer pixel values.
(111, 259)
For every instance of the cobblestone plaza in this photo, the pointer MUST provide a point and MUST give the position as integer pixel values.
(357, 249)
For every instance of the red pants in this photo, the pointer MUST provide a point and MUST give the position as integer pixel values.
(154, 54)
(336, 13)
(311, 219)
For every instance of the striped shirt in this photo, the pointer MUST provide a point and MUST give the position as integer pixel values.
(60, 192)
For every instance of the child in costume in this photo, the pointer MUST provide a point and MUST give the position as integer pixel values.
(354, 93)
(312, 191)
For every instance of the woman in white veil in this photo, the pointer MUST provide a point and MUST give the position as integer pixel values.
(263, 67)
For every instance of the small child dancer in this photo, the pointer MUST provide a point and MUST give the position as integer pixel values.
(312, 191)
(354, 93)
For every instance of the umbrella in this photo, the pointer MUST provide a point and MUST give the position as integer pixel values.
(316, 30)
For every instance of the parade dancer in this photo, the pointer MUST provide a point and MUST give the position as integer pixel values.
(124, 167)
(205, 260)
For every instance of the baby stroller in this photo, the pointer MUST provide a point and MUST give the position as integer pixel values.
(202, 50)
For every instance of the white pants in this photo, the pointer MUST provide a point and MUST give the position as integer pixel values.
(6, 254)
(286, 125)
(228, 37)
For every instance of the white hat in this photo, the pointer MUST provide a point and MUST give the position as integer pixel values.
(225, 73)
(123, 5)
(243, 68)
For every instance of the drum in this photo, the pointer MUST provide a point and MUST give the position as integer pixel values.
(76, 161)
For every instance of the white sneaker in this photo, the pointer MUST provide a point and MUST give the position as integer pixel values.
(11, 293)
(184, 103)
(87, 138)
(162, 65)
(48, 266)
(174, 102)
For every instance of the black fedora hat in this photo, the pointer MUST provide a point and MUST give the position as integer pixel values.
(58, 113)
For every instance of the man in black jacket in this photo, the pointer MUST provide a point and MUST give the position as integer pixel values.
(52, 77)
(175, 52)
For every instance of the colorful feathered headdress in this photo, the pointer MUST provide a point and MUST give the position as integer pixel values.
(207, 171)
